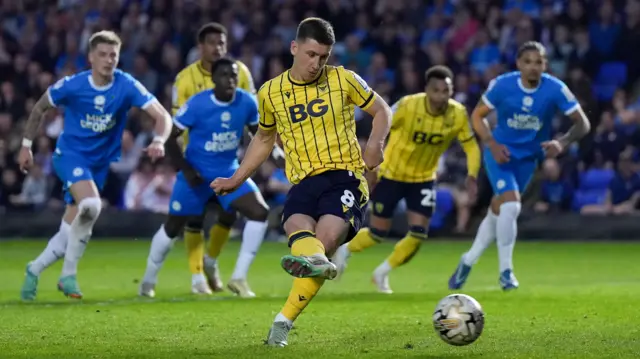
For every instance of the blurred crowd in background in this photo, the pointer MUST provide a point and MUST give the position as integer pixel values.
(594, 46)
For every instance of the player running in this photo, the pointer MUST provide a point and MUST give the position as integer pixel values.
(424, 124)
(96, 104)
(212, 44)
(311, 107)
(216, 120)
(525, 102)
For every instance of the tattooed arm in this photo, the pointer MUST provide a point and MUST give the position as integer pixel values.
(36, 116)
(25, 157)
(580, 128)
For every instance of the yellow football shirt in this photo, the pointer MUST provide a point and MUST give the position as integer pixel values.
(418, 139)
(315, 120)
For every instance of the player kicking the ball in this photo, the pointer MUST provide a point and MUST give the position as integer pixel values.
(216, 120)
(311, 107)
(96, 103)
(423, 127)
(525, 102)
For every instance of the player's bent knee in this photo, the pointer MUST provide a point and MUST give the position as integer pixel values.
(227, 218)
(89, 209)
(173, 226)
(510, 209)
(257, 213)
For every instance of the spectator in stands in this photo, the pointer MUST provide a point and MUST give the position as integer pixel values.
(131, 152)
(35, 190)
(10, 188)
(609, 140)
(137, 183)
(452, 173)
(604, 31)
(593, 183)
(156, 195)
(623, 196)
(556, 193)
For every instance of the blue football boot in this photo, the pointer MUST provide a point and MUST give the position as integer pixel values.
(460, 276)
(508, 281)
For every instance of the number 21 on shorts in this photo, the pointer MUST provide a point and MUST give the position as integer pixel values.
(428, 197)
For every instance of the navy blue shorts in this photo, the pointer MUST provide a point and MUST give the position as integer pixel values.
(338, 192)
(420, 197)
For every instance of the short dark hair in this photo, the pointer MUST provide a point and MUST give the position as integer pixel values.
(318, 29)
(438, 72)
(222, 62)
(104, 37)
(531, 46)
(210, 28)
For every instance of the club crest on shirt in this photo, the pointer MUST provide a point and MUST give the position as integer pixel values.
(98, 103)
(225, 117)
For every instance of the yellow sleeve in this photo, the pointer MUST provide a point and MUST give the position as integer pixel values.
(359, 91)
(267, 120)
(245, 81)
(469, 145)
(398, 114)
(180, 93)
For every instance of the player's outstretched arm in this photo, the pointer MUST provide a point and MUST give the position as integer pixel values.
(258, 151)
(25, 157)
(381, 112)
(277, 154)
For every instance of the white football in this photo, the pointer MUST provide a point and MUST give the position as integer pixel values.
(458, 319)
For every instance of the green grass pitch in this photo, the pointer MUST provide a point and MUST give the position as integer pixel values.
(577, 300)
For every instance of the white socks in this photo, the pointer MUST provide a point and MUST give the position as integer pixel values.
(80, 232)
(54, 251)
(484, 237)
(160, 246)
(506, 232)
(252, 237)
(383, 269)
(281, 318)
